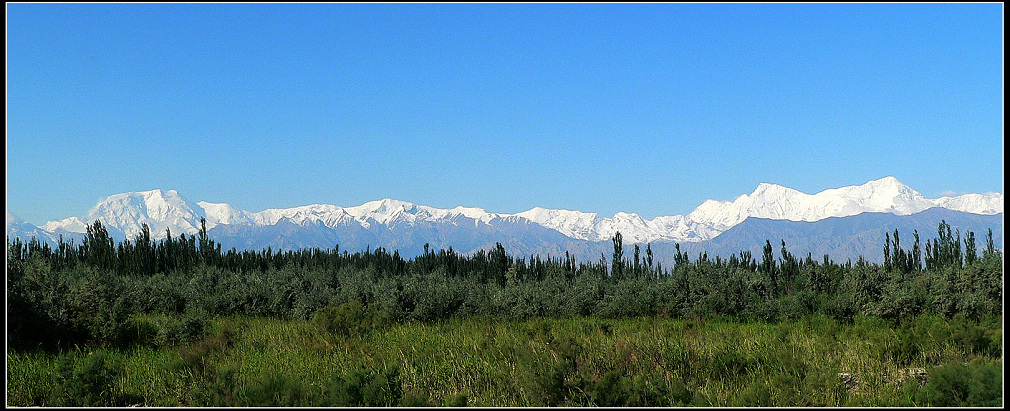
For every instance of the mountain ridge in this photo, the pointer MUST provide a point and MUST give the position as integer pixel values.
(408, 225)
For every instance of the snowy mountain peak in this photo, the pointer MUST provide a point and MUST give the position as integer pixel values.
(988, 203)
(475, 213)
(66, 225)
(223, 213)
(540, 213)
(382, 207)
(124, 213)
(883, 195)
(886, 186)
(574, 224)
(886, 181)
(155, 204)
(632, 218)
(773, 201)
(769, 189)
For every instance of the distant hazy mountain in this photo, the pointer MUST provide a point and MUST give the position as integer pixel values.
(460, 232)
(771, 201)
(21, 229)
(841, 238)
(845, 238)
(404, 226)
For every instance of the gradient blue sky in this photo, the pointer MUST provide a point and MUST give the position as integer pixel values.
(647, 108)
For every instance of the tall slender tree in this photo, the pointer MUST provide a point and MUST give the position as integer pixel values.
(637, 267)
(617, 263)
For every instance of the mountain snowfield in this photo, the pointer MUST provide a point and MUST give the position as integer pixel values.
(123, 214)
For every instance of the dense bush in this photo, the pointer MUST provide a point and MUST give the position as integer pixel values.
(348, 319)
(365, 387)
(86, 294)
(273, 391)
(963, 385)
(91, 384)
(172, 331)
(52, 309)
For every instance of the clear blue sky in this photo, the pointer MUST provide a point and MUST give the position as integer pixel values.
(647, 108)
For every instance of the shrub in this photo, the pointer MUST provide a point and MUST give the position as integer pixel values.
(629, 298)
(680, 395)
(756, 394)
(649, 390)
(415, 399)
(728, 364)
(839, 307)
(35, 302)
(91, 385)
(347, 319)
(275, 391)
(197, 357)
(557, 384)
(611, 390)
(141, 332)
(62, 308)
(972, 337)
(457, 400)
(904, 347)
(365, 387)
(963, 385)
(547, 388)
(175, 331)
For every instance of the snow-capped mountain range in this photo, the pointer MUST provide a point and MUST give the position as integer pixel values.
(394, 220)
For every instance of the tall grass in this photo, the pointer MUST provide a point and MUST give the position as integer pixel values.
(579, 361)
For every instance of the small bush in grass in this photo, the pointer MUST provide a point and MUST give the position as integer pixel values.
(755, 394)
(778, 390)
(788, 361)
(611, 390)
(75, 388)
(728, 364)
(903, 348)
(539, 328)
(546, 388)
(680, 395)
(275, 391)
(972, 337)
(347, 319)
(415, 399)
(959, 385)
(220, 388)
(175, 331)
(364, 387)
(649, 390)
(198, 356)
(558, 384)
(457, 400)
(141, 332)
(91, 385)
(606, 329)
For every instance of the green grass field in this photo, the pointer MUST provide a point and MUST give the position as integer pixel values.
(474, 361)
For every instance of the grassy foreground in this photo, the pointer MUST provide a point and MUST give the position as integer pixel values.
(480, 361)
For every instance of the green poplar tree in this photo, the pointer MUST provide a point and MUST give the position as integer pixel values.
(970, 254)
(618, 259)
(638, 266)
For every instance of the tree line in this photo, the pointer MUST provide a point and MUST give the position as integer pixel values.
(87, 293)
